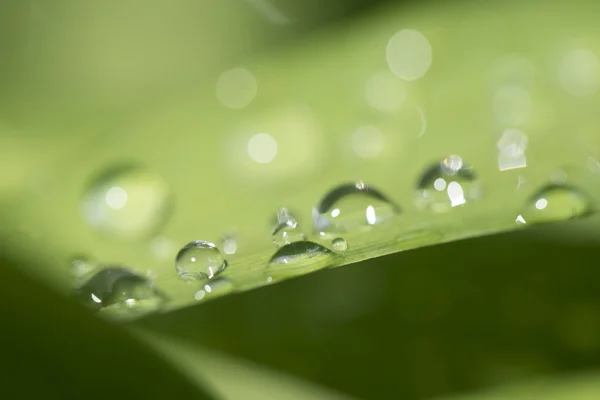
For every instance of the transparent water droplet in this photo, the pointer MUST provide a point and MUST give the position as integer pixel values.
(286, 230)
(555, 202)
(199, 260)
(119, 290)
(127, 201)
(216, 288)
(299, 258)
(339, 244)
(352, 206)
(447, 184)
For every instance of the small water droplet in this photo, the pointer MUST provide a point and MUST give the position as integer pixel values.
(447, 184)
(199, 260)
(352, 206)
(286, 231)
(339, 244)
(118, 289)
(212, 289)
(555, 203)
(299, 258)
(127, 201)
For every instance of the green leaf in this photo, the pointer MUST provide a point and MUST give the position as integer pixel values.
(311, 99)
(234, 378)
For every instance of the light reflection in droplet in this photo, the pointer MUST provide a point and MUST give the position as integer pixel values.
(512, 105)
(116, 198)
(540, 204)
(439, 184)
(335, 212)
(520, 220)
(579, 73)
(371, 216)
(456, 194)
(408, 54)
(229, 245)
(262, 148)
(368, 141)
(236, 88)
(385, 92)
(511, 150)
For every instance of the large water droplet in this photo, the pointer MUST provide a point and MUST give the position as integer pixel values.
(339, 244)
(286, 231)
(127, 201)
(555, 203)
(299, 258)
(216, 288)
(352, 206)
(119, 290)
(199, 260)
(447, 184)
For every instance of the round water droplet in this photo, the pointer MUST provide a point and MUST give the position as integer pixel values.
(339, 244)
(447, 184)
(118, 290)
(555, 203)
(286, 230)
(352, 206)
(127, 201)
(212, 289)
(199, 260)
(299, 258)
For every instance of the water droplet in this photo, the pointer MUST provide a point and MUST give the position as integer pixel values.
(118, 289)
(127, 201)
(286, 231)
(352, 206)
(299, 258)
(447, 184)
(199, 260)
(216, 288)
(555, 203)
(339, 244)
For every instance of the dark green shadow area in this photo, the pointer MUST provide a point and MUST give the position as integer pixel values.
(440, 320)
(54, 349)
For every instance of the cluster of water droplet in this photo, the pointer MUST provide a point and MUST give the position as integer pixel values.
(349, 208)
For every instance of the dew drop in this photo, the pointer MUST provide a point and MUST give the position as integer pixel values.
(286, 231)
(127, 201)
(555, 202)
(352, 206)
(447, 184)
(199, 260)
(212, 289)
(339, 245)
(299, 258)
(119, 290)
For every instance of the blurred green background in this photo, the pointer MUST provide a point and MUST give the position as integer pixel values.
(86, 86)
